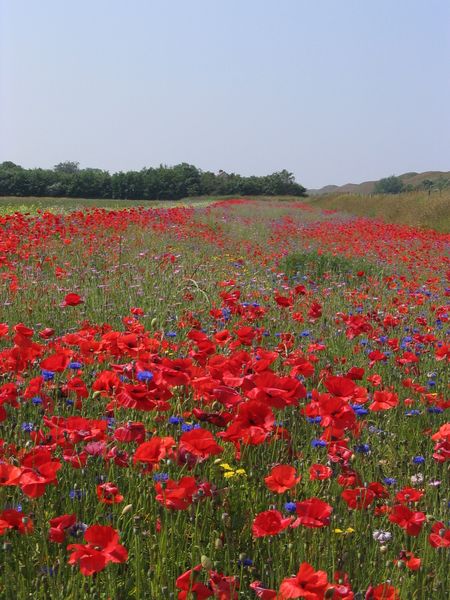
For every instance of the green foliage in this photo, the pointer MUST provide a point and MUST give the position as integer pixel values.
(315, 265)
(163, 182)
(389, 185)
(69, 166)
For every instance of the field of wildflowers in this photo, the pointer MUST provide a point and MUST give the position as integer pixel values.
(240, 399)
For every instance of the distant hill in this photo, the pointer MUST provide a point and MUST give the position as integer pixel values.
(367, 187)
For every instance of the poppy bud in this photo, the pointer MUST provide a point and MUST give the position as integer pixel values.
(218, 544)
(126, 509)
(206, 562)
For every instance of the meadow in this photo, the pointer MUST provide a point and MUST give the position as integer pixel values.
(222, 399)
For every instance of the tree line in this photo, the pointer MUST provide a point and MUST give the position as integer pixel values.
(66, 179)
(395, 185)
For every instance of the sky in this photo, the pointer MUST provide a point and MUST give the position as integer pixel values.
(331, 90)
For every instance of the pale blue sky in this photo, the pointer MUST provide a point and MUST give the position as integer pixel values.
(332, 90)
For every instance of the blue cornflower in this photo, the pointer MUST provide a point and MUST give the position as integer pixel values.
(47, 375)
(171, 334)
(36, 400)
(75, 365)
(412, 413)
(317, 419)
(187, 427)
(318, 443)
(362, 448)
(76, 494)
(435, 410)
(145, 376)
(290, 507)
(176, 420)
(27, 427)
(160, 477)
(360, 411)
(246, 562)
(77, 530)
(418, 460)
(390, 480)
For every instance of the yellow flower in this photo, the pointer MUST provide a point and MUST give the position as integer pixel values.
(226, 466)
(229, 474)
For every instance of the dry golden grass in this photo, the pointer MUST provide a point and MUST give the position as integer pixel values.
(413, 208)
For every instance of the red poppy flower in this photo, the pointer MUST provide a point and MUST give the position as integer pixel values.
(410, 521)
(108, 493)
(262, 592)
(308, 583)
(13, 519)
(312, 513)
(38, 471)
(200, 443)
(102, 548)
(224, 587)
(383, 591)
(190, 586)
(152, 452)
(407, 558)
(59, 527)
(269, 522)
(72, 299)
(319, 472)
(383, 400)
(439, 536)
(408, 494)
(176, 495)
(358, 498)
(281, 478)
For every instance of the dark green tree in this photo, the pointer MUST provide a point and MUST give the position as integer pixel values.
(68, 166)
(389, 185)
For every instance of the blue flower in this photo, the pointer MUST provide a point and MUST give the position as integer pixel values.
(390, 480)
(318, 443)
(418, 460)
(290, 507)
(36, 400)
(435, 410)
(28, 427)
(186, 427)
(362, 448)
(160, 477)
(47, 375)
(77, 530)
(145, 376)
(176, 420)
(246, 562)
(76, 494)
(317, 419)
(171, 334)
(75, 365)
